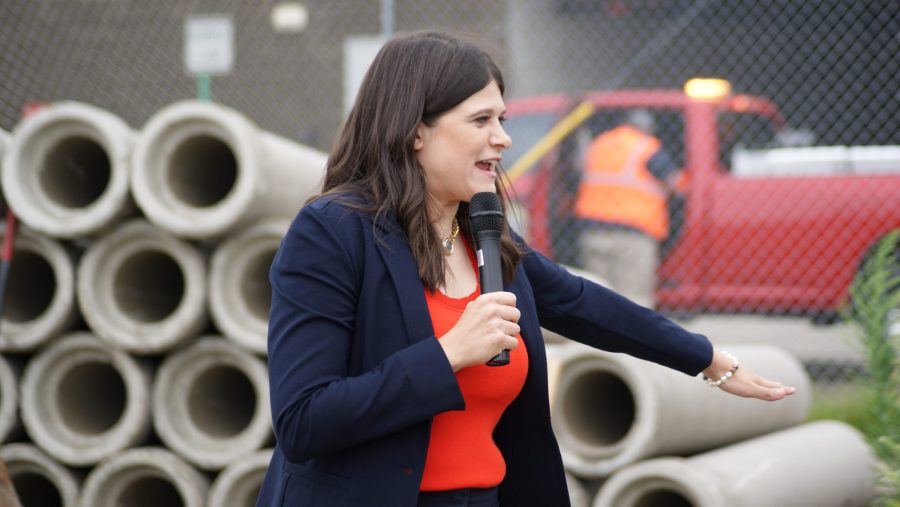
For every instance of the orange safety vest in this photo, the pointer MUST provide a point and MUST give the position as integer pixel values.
(617, 187)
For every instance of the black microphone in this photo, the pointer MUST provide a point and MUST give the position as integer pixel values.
(486, 218)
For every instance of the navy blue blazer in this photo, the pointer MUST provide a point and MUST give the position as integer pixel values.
(356, 373)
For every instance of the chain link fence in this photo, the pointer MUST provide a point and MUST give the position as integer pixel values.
(762, 210)
(778, 186)
(128, 56)
(799, 175)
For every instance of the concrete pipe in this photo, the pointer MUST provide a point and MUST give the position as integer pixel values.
(238, 485)
(144, 477)
(611, 410)
(83, 401)
(40, 292)
(38, 479)
(142, 289)
(202, 170)
(577, 495)
(820, 464)
(211, 403)
(239, 290)
(10, 425)
(553, 338)
(66, 172)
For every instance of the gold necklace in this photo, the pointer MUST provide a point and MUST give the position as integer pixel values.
(447, 241)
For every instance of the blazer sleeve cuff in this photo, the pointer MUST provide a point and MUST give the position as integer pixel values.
(432, 379)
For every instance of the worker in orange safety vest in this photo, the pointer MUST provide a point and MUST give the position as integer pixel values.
(621, 206)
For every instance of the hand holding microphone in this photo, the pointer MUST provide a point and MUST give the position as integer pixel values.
(490, 323)
(486, 218)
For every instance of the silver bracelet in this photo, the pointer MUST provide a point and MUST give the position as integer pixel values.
(728, 374)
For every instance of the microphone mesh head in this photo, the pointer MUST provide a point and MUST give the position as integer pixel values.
(485, 212)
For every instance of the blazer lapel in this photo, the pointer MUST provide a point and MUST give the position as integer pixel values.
(401, 264)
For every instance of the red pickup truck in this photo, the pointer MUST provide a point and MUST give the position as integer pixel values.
(761, 229)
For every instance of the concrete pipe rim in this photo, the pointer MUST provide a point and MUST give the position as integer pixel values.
(94, 134)
(215, 363)
(238, 479)
(48, 376)
(31, 459)
(238, 306)
(9, 399)
(43, 258)
(118, 473)
(599, 450)
(118, 319)
(662, 481)
(160, 141)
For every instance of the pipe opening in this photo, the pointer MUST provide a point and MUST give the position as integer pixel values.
(30, 287)
(222, 401)
(255, 288)
(599, 407)
(149, 491)
(149, 286)
(92, 398)
(76, 172)
(203, 171)
(36, 490)
(662, 498)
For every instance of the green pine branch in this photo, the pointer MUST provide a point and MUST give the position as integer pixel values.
(875, 295)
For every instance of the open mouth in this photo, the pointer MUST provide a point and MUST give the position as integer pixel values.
(487, 165)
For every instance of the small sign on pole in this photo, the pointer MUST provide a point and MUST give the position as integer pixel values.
(209, 45)
(208, 49)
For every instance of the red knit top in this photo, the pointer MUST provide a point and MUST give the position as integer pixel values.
(461, 451)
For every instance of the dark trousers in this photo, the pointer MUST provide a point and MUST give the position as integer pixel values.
(468, 497)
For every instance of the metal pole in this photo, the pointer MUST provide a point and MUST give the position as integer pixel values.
(660, 41)
(204, 87)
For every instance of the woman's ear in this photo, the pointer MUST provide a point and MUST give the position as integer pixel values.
(420, 137)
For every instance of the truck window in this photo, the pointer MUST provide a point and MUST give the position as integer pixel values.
(669, 128)
(670, 131)
(743, 131)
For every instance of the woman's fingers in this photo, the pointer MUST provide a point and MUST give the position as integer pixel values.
(501, 314)
(503, 298)
(770, 389)
(488, 325)
(747, 384)
(502, 304)
(509, 313)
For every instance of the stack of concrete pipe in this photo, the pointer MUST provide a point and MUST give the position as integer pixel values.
(132, 368)
(132, 345)
(610, 410)
(627, 424)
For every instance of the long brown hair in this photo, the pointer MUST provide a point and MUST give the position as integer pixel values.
(414, 78)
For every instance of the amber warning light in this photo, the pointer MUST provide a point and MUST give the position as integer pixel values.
(707, 88)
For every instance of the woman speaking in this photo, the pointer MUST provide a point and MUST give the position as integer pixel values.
(379, 333)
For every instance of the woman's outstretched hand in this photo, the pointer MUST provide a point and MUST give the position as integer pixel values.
(744, 382)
